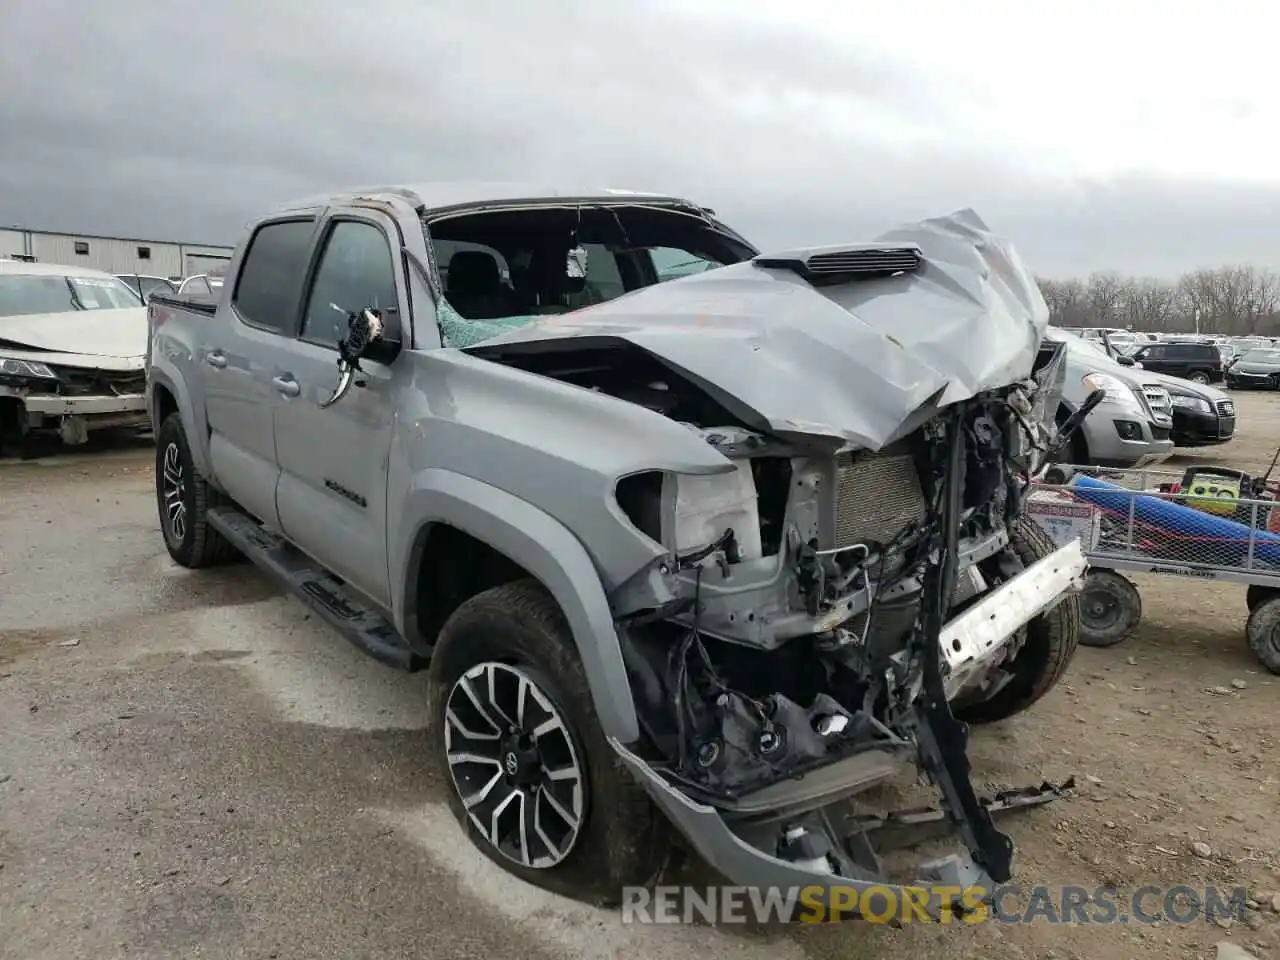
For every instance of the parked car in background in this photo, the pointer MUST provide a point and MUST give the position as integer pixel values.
(1197, 362)
(144, 286)
(1203, 415)
(201, 285)
(1258, 369)
(1132, 427)
(72, 342)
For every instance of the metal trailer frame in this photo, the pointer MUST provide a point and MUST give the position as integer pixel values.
(1118, 541)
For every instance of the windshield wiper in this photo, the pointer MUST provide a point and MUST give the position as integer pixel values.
(75, 299)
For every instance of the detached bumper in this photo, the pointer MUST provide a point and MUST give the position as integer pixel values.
(974, 642)
(742, 846)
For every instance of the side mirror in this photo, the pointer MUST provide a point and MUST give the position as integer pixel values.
(1126, 361)
(366, 339)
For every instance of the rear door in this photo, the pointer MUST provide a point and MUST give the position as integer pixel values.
(245, 347)
(333, 482)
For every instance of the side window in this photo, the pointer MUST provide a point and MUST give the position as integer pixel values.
(270, 282)
(1155, 353)
(670, 263)
(355, 271)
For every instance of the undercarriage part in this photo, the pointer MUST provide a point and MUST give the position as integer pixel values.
(916, 825)
(942, 738)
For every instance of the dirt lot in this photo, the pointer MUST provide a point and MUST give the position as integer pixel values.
(192, 767)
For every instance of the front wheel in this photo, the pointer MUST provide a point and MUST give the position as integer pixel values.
(1050, 643)
(1198, 376)
(183, 499)
(528, 771)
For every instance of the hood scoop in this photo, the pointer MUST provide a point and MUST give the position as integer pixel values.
(839, 264)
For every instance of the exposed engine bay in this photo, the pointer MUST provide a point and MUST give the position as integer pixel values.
(802, 657)
(862, 582)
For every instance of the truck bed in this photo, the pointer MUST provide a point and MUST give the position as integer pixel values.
(188, 301)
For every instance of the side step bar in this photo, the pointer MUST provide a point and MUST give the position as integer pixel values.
(320, 590)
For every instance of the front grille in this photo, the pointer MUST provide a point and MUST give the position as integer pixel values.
(876, 496)
(1157, 399)
(79, 382)
(1226, 408)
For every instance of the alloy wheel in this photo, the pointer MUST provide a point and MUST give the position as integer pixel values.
(514, 764)
(173, 488)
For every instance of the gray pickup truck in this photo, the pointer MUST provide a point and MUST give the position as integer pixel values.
(715, 553)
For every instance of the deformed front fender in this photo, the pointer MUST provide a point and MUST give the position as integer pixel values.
(544, 547)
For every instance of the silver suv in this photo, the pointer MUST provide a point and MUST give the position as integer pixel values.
(1132, 427)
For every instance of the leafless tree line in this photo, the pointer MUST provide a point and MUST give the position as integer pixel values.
(1229, 300)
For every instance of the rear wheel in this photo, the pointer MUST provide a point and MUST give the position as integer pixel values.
(1256, 595)
(1046, 653)
(1110, 609)
(1198, 376)
(529, 774)
(183, 499)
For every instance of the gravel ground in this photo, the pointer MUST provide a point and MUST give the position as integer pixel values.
(192, 767)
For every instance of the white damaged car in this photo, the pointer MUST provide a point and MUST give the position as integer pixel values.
(72, 345)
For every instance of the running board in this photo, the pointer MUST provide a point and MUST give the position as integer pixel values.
(320, 590)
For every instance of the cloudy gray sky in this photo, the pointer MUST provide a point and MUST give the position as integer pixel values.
(1122, 135)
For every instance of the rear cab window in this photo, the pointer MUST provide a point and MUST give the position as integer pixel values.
(269, 287)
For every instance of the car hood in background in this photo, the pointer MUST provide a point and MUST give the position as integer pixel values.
(1263, 368)
(95, 333)
(862, 362)
(1178, 385)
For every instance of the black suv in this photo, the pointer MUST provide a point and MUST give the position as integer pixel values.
(1198, 362)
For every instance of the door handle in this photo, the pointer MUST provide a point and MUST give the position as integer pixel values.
(287, 386)
(216, 359)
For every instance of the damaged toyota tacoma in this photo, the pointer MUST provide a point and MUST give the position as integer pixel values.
(719, 553)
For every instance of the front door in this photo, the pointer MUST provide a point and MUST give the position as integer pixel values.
(333, 483)
(241, 350)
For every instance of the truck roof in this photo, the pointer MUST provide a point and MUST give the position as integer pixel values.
(443, 195)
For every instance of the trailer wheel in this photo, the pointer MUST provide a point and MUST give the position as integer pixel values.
(1263, 631)
(1257, 595)
(529, 774)
(1110, 608)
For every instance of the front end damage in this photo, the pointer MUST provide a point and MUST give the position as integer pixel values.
(44, 394)
(826, 605)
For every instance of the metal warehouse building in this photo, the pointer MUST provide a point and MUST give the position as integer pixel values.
(156, 258)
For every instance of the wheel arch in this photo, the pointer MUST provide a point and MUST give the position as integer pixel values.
(166, 396)
(462, 510)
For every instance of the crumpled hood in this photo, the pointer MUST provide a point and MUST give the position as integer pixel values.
(98, 333)
(863, 362)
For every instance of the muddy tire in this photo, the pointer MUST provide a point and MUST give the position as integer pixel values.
(1256, 595)
(1110, 609)
(183, 499)
(1050, 644)
(590, 827)
(1263, 631)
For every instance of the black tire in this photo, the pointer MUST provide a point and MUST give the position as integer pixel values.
(1256, 595)
(1110, 609)
(623, 840)
(1050, 644)
(183, 499)
(1263, 632)
(1198, 376)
